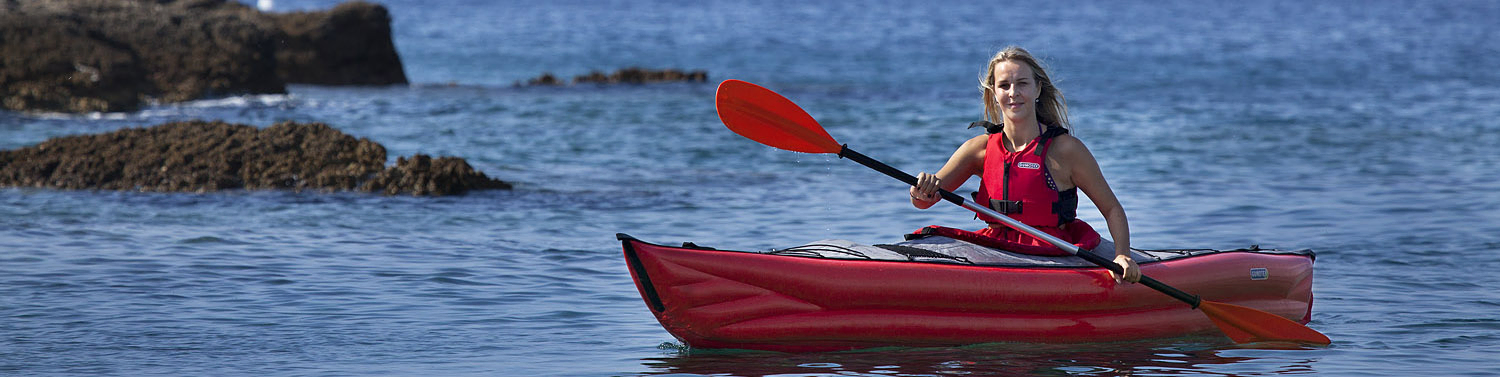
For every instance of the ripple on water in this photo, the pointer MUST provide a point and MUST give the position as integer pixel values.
(210, 240)
(456, 281)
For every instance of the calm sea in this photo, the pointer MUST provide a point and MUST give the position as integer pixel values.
(1364, 130)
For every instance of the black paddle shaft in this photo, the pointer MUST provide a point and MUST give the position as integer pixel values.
(868, 162)
(862, 159)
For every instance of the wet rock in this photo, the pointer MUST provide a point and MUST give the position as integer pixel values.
(117, 55)
(104, 55)
(347, 45)
(546, 79)
(632, 75)
(423, 175)
(199, 156)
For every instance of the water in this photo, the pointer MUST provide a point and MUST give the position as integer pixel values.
(1362, 130)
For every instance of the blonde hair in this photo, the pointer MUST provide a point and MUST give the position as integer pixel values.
(1052, 108)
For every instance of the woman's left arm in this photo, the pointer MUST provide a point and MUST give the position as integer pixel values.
(1085, 174)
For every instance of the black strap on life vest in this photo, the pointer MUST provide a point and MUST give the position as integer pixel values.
(1066, 207)
(991, 128)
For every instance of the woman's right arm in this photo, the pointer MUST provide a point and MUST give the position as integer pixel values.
(967, 161)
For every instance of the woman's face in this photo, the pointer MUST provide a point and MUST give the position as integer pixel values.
(1016, 90)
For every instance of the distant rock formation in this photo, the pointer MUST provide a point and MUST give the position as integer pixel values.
(632, 75)
(198, 156)
(116, 55)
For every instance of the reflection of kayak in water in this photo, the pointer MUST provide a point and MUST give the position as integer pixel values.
(938, 291)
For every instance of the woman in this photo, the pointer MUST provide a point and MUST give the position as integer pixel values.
(1030, 168)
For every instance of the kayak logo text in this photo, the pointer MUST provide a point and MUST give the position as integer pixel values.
(1259, 274)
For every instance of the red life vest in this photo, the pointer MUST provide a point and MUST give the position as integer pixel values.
(1019, 185)
(1023, 189)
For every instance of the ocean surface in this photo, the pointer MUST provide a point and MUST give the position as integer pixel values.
(1363, 130)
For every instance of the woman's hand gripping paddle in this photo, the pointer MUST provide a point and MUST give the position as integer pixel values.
(764, 116)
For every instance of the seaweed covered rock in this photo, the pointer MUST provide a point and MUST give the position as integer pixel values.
(424, 175)
(199, 156)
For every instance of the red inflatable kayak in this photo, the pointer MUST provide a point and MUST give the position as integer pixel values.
(938, 291)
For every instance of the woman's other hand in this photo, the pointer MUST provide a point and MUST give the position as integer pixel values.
(1132, 270)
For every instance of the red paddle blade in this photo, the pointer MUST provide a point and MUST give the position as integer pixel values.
(768, 118)
(1246, 325)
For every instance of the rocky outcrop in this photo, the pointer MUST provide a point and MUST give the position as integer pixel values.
(116, 55)
(104, 55)
(347, 45)
(200, 156)
(632, 75)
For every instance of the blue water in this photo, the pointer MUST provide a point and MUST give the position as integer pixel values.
(1363, 130)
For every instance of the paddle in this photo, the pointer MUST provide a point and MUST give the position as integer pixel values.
(764, 116)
